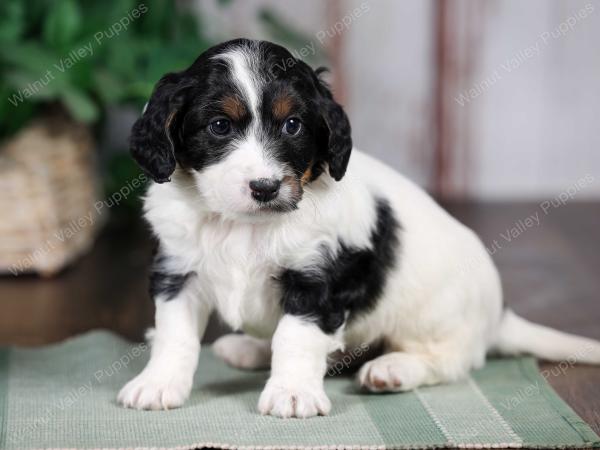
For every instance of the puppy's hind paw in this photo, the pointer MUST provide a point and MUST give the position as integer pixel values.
(392, 372)
(243, 352)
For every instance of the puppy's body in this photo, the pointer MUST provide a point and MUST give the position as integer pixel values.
(339, 256)
(237, 263)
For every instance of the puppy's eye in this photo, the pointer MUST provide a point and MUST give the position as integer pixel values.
(292, 126)
(220, 127)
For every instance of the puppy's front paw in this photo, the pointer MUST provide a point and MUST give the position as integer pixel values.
(303, 399)
(155, 391)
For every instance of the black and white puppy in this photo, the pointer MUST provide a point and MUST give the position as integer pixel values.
(269, 221)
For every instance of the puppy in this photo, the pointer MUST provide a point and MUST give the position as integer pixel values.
(265, 214)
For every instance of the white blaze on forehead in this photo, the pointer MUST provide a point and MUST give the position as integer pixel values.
(242, 63)
(251, 158)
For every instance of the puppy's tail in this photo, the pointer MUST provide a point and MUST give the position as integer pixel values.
(518, 336)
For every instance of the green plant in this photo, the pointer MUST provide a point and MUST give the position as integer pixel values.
(85, 56)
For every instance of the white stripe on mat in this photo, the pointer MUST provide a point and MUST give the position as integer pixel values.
(466, 417)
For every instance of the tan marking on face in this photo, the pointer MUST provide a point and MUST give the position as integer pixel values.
(282, 106)
(233, 107)
(306, 176)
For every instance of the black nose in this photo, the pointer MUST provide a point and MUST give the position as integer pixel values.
(264, 189)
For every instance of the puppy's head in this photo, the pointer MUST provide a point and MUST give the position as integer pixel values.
(249, 123)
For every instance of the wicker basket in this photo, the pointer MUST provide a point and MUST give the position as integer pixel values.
(48, 188)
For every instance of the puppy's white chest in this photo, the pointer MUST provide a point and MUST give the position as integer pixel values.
(237, 272)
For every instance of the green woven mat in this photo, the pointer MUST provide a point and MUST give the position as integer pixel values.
(63, 396)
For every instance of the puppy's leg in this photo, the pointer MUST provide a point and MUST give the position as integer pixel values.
(167, 379)
(298, 365)
(244, 352)
(404, 371)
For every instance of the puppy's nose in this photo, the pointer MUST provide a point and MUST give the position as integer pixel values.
(265, 189)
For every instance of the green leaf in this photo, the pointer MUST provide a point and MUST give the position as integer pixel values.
(140, 91)
(29, 56)
(40, 35)
(123, 58)
(62, 24)
(80, 105)
(158, 18)
(12, 20)
(187, 28)
(29, 86)
(110, 90)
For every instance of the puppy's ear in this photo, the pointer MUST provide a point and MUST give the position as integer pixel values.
(339, 133)
(151, 142)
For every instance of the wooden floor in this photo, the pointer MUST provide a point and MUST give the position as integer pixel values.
(551, 274)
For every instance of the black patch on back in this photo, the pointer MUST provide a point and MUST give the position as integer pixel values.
(163, 282)
(350, 281)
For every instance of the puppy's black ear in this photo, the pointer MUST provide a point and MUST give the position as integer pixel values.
(151, 141)
(339, 133)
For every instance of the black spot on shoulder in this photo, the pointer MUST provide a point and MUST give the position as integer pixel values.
(349, 282)
(163, 282)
